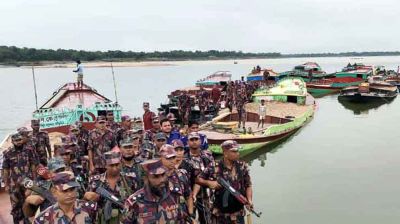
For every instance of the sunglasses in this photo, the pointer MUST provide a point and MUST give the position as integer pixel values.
(193, 139)
(128, 147)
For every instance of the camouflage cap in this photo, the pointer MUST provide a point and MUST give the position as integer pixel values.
(167, 151)
(147, 145)
(137, 120)
(126, 118)
(64, 149)
(35, 122)
(177, 143)
(126, 141)
(55, 163)
(230, 145)
(68, 140)
(101, 118)
(153, 166)
(16, 136)
(23, 130)
(160, 135)
(65, 180)
(112, 157)
(193, 135)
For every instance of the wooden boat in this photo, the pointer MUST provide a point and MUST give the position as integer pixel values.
(357, 70)
(394, 80)
(258, 76)
(289, 107)
(303, 71)
(327, 86)
(215, 79)
(367, 92)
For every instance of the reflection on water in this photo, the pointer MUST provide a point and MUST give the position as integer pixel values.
(362, 108)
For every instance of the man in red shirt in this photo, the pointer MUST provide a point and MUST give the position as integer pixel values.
(147, 116)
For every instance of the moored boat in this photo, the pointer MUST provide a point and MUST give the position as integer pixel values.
(369, 92)
(305, 70)
(215, 79)
(357, 70)
(327, 86)
(289, 108)
(259, 76)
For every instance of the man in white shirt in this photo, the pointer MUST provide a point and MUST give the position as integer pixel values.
(79, 71)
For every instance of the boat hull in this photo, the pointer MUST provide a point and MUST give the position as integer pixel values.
(360, 98)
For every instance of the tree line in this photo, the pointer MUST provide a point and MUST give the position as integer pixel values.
(12, 54)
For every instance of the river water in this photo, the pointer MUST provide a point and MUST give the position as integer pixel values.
(342, 167)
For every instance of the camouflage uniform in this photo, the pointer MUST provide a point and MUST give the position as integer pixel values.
(100, 143)
(133, 174)
(202, 97)
(194, 165)
(240, 181)
(41, 141)
(19, 162)
(143, 207)
(113, 126)
(121, 191)
(83, 211)
(184, 106)
(147, 150)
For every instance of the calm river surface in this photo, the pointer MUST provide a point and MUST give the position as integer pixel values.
(343, 167)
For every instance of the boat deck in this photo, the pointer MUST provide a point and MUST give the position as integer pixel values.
(221, 135)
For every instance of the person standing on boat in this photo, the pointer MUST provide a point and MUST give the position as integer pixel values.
(101, 140)
(241, 107)
(266, 76)
(184, 107)
(262, 111)
(202, 98)
(215, 97)
(18, 162)
(237, 174)
(79, 71)
(147, 117)
(41, 141)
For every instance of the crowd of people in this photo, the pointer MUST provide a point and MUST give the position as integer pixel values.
(142, 170)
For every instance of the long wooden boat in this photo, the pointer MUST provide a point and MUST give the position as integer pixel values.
(289, 107)
(331, 85)
(304, 71)
(367, 92)
(394, 80)
(215, 79)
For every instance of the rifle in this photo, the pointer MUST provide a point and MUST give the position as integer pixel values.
(109, 197)
(225, 184)
(29, 184)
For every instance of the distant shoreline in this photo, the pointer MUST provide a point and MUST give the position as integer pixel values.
(150, 63)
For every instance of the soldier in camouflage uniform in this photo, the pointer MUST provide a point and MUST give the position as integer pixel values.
(184, 107)
(177, 178)
(131, 165)
(111, 124)
(196, 160)
(147, 150)
(41, 141)
(159, 140)
(34, 201)
(203, 97)
(237, 174)
(149, 134)
(83, 133)
(71, 164)
(101, 140)
(125, 128)
(241, 100)
(81, 141)
(114, 182)
(18, 162)
(155, 202)
(67, 209)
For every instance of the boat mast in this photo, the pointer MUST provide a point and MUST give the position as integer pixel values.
(115, 85)
(34, 86)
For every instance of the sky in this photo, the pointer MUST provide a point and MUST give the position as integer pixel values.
(286, 26)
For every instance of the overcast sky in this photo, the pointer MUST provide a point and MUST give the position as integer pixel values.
(287, 26)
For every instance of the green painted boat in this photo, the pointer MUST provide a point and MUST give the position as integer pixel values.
(304, 71)
(289, 107)
(324, 87)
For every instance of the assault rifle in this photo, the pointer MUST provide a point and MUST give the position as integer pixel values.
(109, 197)
(29, 184)
(225, 184)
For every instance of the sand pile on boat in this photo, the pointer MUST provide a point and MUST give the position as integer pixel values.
(279, 109)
